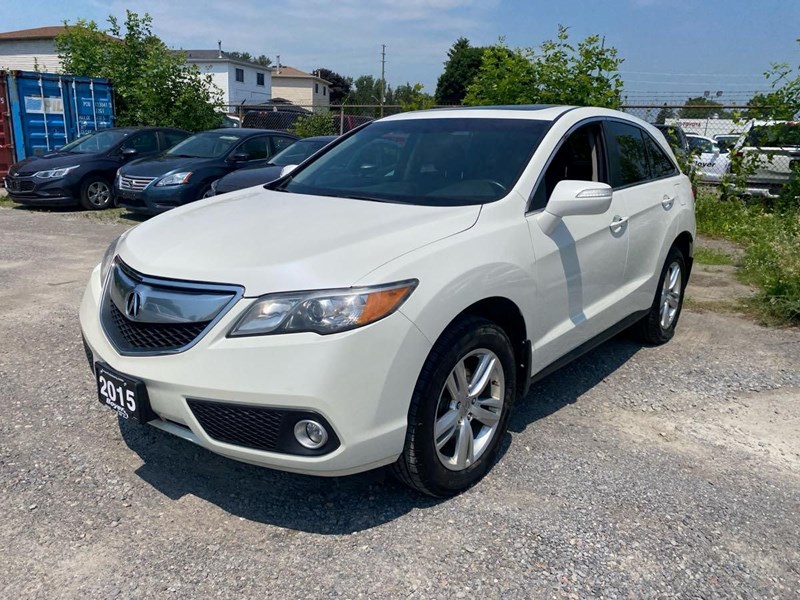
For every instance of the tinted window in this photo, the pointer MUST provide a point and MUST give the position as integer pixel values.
(579, 158)
(209, 144)
(240, 75)
(259, 79)
(435, 161)
(297, 152)
(173, 137)
(257, 148)
(281, 143)
(626, 154)
(143, 142)
(97, 141)
(660, 163)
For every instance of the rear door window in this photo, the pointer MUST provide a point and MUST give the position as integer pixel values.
(627, 156)
(257, 148)
(660, 163)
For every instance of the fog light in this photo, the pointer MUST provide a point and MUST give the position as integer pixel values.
(310, 434)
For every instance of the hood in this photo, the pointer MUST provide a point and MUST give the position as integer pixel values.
(276, 241)
(54, 160)
(244, 178)
(161, 165)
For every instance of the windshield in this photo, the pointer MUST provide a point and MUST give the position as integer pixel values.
(439, 161)
(97, 141)
(210, 144)
(779, 134)
(297, 152)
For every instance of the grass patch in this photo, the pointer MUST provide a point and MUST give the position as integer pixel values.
(711, 256)
(772, 250)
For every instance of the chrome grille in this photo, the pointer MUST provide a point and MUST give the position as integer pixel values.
(149, 315)
(134, 184)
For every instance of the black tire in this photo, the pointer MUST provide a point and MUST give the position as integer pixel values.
(651, 329)
(96, 193)
(420, 466)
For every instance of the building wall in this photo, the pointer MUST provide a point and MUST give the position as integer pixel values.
(303, 91)
(223, 75)
(29, 55)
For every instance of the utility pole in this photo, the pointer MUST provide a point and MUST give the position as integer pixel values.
(383, 76)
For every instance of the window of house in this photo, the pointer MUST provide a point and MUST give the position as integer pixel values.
(316, 88)
(579, 158)
(626, 154)
(259, 79)
(324, 90)
(240, 75)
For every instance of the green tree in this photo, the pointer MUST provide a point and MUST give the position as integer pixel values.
(557, 73)
(152, 84)
(702, 108)
(462, 65)
(340, 87)
(262, 60)
(413, 97)
(319, 123)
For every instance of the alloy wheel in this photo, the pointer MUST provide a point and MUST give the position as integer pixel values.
(469, 409)
(98, 193)
(671, 294)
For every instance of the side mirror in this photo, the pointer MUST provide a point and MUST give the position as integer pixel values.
(129, 153)
(574, 198)
(287, 169)
(240, 157)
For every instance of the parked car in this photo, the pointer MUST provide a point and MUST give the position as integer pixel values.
(726, 141)
(358, 314)
(293, 155)
(230, 121)
(710, 163)
(82, 172)
(676, 138)
(185, 173)
(282, 120)
(770, 151)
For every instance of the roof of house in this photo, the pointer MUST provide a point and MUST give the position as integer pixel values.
(284, 71)
(217, 56)
(37, 33)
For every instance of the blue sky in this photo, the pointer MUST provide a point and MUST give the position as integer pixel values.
(672, 48)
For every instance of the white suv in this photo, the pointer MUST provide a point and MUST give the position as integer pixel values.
(389, 300)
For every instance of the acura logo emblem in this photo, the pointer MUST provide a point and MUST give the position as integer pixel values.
(133, 304)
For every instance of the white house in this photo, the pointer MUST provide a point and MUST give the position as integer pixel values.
(30, 49)
(241, 82)
(299, 87)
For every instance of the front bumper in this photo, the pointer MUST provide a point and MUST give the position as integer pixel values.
(153, 199)
(43, 192)
(359, 381)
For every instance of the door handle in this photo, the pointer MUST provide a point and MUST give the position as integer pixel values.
(668, 201)
(617, 223)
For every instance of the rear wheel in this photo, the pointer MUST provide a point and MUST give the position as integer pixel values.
(460, 408)
(658, 325)
(95, 193)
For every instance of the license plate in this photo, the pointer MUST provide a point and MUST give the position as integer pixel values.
(122, 394)
(128, 196)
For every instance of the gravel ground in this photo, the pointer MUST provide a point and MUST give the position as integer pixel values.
(632, 473)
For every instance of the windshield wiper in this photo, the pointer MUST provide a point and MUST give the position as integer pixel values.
(182, 156)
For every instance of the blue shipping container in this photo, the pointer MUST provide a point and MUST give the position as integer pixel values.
(50, 110)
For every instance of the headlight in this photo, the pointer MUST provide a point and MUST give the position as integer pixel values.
(54, 173)
(108, 257)
(175, 179)
(323, 311)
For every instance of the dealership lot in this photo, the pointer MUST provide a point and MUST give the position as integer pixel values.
(634, 472)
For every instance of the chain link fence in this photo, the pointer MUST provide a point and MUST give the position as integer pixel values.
(756, 158)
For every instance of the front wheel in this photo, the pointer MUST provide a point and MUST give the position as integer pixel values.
(460, 408)
(95, 193)
(658, 325)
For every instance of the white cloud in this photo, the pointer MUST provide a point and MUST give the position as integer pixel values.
(345, 35)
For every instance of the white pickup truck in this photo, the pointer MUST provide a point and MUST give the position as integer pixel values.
(769, 154)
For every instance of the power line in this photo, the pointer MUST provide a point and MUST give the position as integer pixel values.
(760, 75)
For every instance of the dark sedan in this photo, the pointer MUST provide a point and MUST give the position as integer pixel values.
(82, 172)
(185, 173)
(293, 155)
